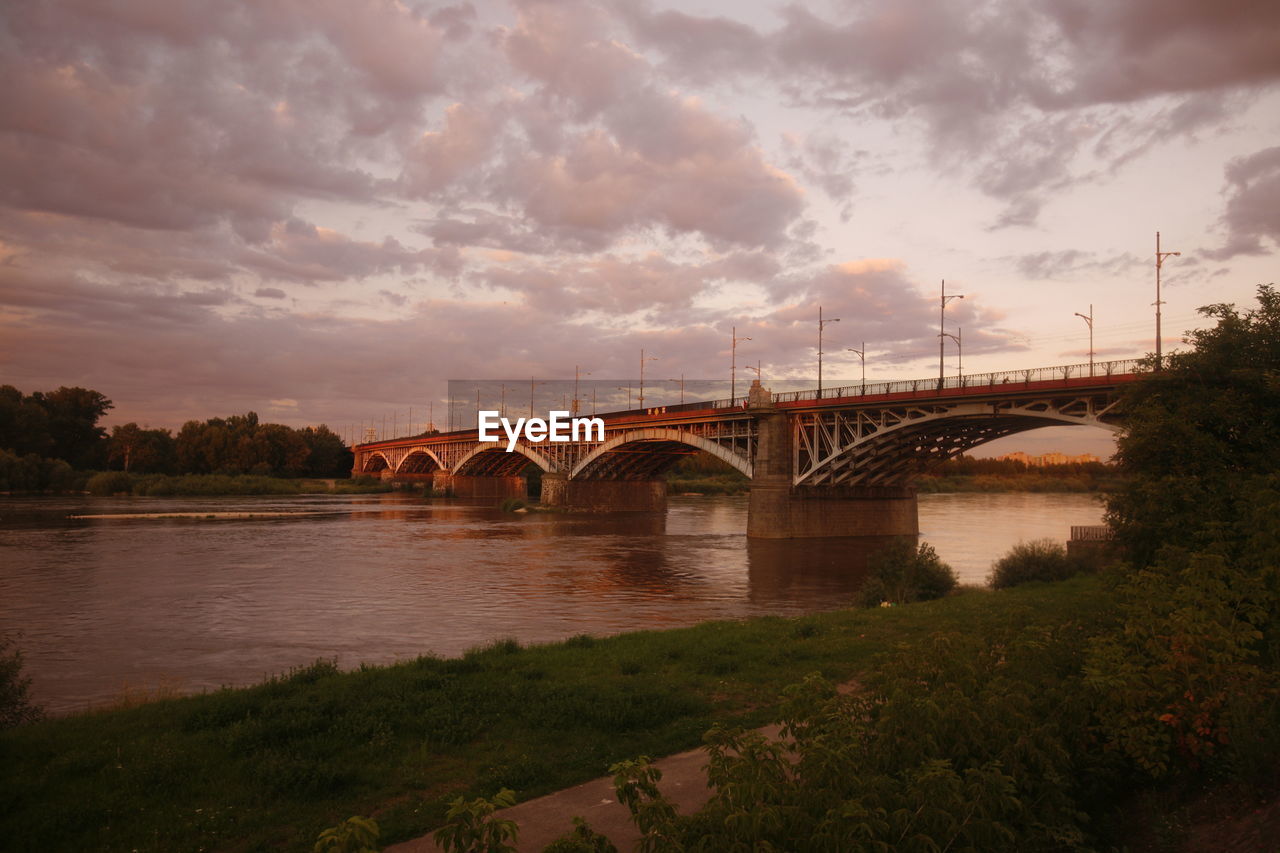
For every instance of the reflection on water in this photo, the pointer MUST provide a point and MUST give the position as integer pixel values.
(106, 604)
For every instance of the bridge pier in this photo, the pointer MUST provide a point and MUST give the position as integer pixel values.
(778, 510)
(604, 495)
(465, 486)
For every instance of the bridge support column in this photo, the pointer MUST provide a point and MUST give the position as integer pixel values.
(777, 510)
(464, 486)
(604, 495)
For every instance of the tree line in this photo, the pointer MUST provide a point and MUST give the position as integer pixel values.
(46, 436)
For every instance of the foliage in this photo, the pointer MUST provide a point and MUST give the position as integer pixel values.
(15, 702)
(511, 505)
(636, 784)
(353, 835)
(904, 572)
(143, 450)
(470, 826)
(958, 742)
(1200, 433)
(61, 424)
(32, 473)
(329, 455)
(1040, 560)
(581, 839)
(1181, 682)
(108, 483)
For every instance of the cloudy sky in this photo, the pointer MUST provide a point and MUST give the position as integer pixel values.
(324, 210)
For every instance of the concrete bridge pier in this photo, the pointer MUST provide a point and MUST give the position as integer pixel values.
(779, 510)
(444, 482)
(604, 495)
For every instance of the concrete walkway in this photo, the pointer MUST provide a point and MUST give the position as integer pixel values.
(545, 819)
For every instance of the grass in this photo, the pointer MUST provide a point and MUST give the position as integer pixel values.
(268, 767)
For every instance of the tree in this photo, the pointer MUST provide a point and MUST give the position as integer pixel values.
(141, 450)
(329, 455)
(1202, 435)
(73, 415)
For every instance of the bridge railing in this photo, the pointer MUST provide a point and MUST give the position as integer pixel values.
(976, 380)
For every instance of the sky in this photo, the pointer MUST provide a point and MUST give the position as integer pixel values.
(324, 211)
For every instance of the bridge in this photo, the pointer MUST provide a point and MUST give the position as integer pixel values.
(836, 463)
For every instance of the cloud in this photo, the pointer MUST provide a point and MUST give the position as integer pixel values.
(1252, 214)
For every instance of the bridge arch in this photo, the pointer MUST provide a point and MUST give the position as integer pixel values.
(375, 462)
(420, 460)
(493, 460)
(662, 447)
(897, 453)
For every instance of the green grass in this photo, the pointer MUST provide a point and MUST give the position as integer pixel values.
(268, 767)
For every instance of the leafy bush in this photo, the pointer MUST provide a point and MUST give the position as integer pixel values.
(511, 505)
(15, 704)
(109, 483)
(1040, 560)
(581, 839)
(354, 835)
(904, 572)
(470, 826)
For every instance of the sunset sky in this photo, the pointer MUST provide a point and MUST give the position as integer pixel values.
(322, 211)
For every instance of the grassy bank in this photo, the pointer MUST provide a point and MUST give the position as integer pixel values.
(219, 485)
(1023, 482)
(268, 767)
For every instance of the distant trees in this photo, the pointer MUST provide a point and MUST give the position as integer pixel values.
(61, 424)
(44, 435)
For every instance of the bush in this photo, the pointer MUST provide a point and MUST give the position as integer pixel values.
(511, 505)
(15, 704)
(903, 573)
(109, 483)
(1041, 560)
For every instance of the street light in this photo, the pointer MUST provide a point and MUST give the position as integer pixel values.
(862, 356)
(821, 324)
(733, 364)
(626, 388)
(642, 361)
(942, 329)
(1160, 256)
(1089, 320)
(575, 390)
(532, 385)
(681, 381)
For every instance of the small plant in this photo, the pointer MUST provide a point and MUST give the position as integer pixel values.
(1041, 560)
(15, 704)
(471, 827)
(353, 835)
(581, 839)
(636, 784)
(512, 505)
(109, 483)
(904, 572)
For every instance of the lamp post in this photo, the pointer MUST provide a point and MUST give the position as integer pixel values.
(1160, 256)
(576, 406)
(821, 324)
(681, 381)
(532, 385)
(862, 356)
(942, 328)
(733, 364)
(642, 361)
(959, 353)
(627, 388)
(1089, 320)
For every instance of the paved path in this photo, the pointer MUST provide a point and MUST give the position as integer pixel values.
(545, 819)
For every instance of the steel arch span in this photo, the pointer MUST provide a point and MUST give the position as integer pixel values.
(493, 460)
(643, 453)
(892, 445)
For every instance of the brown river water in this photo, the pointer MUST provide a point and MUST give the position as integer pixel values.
(243, 588)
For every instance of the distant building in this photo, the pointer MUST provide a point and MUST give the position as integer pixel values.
(1047, 459)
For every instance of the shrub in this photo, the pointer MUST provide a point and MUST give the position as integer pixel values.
(1041, 560)
(903, 573)
(581, 839)
(109, 483)
(15, 704)
(511, 505)
(471, 827)
(354, 835)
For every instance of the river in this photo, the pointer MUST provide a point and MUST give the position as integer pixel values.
(106, 606)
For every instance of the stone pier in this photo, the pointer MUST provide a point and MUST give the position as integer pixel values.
(779, 510)
(446, 483)
(604, 495)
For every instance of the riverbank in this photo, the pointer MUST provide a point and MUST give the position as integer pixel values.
(1032, 481)
(218, 485)
(272, 765)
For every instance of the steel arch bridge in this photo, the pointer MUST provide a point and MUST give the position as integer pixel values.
(867, 435)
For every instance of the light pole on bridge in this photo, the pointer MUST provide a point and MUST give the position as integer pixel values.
(642, 361)
(821, 324)
(862, 357)
(1089, 320)
(942, 330)
(681, 381)
(733, 363)
(532, 385)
